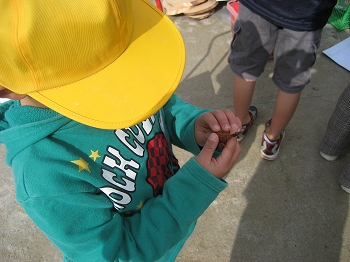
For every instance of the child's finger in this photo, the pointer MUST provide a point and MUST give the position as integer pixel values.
(222, 120)
(204, 157)
(227, 120)
(231, 152)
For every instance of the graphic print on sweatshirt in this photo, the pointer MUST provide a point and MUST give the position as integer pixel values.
(146, 158)
(160, 160)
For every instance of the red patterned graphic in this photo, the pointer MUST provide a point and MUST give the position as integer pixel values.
(160, 160)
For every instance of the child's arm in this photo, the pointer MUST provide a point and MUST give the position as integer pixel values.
(192, 128)
(85, 226)
(180, 119)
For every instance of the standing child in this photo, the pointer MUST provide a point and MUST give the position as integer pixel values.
(88, 133)
(292, 30)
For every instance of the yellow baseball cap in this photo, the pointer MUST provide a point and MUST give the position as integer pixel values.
(105, 63)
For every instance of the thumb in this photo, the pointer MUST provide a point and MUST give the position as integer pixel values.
(208, 149)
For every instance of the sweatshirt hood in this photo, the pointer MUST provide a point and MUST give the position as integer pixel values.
(22, 126)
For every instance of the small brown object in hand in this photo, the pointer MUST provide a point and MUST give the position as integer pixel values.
(224, 136)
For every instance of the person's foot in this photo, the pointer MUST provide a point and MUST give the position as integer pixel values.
(328, 157)
(253, 113)
(347, 190)
(270, 148)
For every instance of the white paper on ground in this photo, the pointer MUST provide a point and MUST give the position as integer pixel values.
(340, 53)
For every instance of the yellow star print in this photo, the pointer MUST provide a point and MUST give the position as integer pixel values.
(83, 165)
(94, 155)
(140, 205)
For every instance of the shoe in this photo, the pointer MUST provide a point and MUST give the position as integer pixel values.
(270, 148)
(253, 113)
(347, 190)
(328, 157)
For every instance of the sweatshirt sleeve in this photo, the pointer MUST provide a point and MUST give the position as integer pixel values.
(85, 227)
(180, 121)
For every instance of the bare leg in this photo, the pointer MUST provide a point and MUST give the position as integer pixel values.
(242, 97)
(284, 109)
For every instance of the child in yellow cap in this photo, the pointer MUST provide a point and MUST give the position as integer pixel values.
(89, 129)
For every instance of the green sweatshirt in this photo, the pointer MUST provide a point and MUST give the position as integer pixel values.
(108, 195)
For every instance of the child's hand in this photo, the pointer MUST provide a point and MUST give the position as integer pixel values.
(218, 120)
(205, 127)
(221, 165)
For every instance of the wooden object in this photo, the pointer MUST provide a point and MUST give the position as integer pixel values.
(184, 3)
(203, 15)
(202, 8)
(170, 10)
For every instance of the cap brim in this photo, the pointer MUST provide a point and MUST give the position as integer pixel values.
(134, 86)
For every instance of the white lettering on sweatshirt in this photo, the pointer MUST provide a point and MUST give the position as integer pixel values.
(118, 193)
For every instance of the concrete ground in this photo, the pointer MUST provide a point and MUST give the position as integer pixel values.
(290, 209)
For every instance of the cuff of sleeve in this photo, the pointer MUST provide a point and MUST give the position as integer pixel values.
(203, 176)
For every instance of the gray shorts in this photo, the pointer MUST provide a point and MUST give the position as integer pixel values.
(255, 39)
